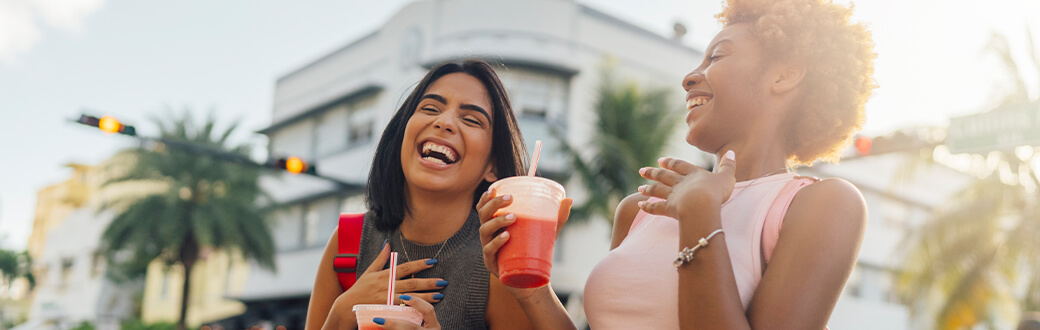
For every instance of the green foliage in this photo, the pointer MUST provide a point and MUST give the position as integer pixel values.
(84, 325)
(632, 127)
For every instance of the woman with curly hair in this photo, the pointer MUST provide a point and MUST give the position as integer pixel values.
(748, 245)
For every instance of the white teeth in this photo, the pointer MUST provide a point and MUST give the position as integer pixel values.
(434, 160)
(428, 146)
(700, 100)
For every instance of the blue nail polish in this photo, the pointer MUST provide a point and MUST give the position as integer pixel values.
(405, 297)
(379, 320)
(438, 296)
(442, 283)
(386, 241)
(431, 261)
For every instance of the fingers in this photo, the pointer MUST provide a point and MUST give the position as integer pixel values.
(661, 175)
(381, 259)
(392, 323)
(655, 190)
(413, 267)
(492, 227)
(493, 204)
(420, 284)
(676, 165)
(655, 208)
(565, 214)
(429, 316)
(728, 164)
(491, 248)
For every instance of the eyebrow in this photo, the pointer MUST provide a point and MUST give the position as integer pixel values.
(464, 106)
(718, 42)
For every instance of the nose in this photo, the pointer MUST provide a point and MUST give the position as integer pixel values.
(444, 122)
(692, 79)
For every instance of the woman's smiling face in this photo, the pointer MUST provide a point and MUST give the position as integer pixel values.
(724, 92)
(447, 141)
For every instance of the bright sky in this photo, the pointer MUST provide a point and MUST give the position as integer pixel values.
(135, 59)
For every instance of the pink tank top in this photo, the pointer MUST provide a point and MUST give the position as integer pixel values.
(636, 287)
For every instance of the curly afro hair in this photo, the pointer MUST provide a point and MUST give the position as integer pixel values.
(839, 59)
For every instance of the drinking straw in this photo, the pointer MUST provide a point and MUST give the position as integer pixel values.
(534, 162)
(393, 277)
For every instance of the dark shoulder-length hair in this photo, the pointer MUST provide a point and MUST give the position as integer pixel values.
(386, 181)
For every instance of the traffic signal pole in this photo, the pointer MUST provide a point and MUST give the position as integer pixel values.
(292, 165)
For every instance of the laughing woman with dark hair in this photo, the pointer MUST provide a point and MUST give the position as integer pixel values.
(454, 135)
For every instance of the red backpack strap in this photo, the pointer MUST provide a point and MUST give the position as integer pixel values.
(775, 216)
(345, 263)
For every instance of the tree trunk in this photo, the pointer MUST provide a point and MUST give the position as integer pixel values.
(189, 254)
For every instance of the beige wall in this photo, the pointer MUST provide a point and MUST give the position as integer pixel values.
(214, 278)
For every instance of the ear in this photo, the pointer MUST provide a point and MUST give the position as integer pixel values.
(489, 172)
(787, 76)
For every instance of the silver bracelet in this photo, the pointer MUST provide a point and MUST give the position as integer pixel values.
(687, 253)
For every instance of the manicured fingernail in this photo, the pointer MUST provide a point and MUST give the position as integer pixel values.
(642, 171)
(379, 320)
(641, 188)
(510, 216)
(640, 204)
(661, 160)
(730, 155)
(507, 197)
(504, 234)
(405, 297)
(431, 261)
(438, 296)
(442, 283)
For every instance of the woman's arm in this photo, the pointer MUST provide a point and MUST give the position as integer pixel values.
(623, 217)
(816, 251)
(540, 306)
(326, 290)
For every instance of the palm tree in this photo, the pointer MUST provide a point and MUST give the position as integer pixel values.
(204, 204)
(971, 261)
(632, 128)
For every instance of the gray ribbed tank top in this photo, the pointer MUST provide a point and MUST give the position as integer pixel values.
(461, 263)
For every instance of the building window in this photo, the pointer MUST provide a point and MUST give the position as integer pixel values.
(331, 129)
(361, 122)
(97, 264)
(164, 293)
(535, 94)
(66, 271)
(311, 225)
(894, 214)
(288, 227)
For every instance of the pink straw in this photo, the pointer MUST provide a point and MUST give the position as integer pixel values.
(534, 162)
(393, 277)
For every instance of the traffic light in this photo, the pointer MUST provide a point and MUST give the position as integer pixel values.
(107, 124)
(863, 145)
(295, 165)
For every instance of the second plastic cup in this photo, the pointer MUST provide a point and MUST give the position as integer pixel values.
(525, 260)
(365, 313)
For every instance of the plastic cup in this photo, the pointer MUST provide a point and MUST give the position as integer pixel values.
(366, 312)
(525, 260)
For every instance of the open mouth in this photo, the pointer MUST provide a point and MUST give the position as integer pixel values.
(438, 153)
(697, 101)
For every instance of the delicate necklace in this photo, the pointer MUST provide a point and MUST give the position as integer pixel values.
(405, 248)
(732, 197)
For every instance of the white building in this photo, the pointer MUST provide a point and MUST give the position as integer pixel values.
(897, 203)
(332, 111)
(73, 287)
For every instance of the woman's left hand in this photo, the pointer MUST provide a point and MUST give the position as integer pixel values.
(429, 316)
(685, 186)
